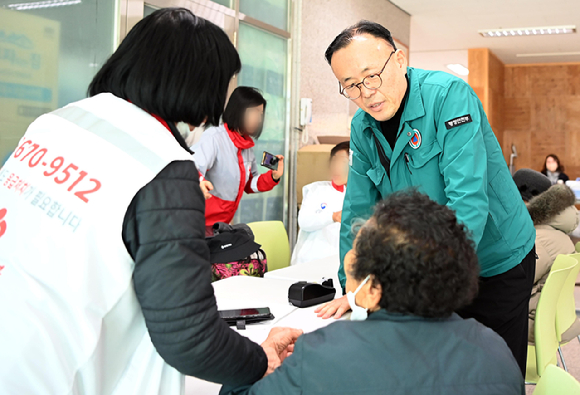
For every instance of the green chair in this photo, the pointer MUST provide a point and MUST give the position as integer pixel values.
(555, 381)
(543, 352)
(274, 240)
(567, 322)
(578, 247)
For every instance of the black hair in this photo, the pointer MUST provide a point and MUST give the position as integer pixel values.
(420, 255)
(362, 27)
(560, 168)
(172, 64)
(242, 98)
(344, 146)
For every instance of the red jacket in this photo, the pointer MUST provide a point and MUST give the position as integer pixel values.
(227, 160)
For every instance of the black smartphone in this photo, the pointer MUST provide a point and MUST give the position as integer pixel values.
(270, 161)
(248, 315)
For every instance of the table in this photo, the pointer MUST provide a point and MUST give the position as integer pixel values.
(310, 271)
(251, 292)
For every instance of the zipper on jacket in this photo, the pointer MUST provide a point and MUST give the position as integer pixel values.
(407, 162)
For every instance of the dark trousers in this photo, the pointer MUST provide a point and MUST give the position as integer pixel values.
(502, 305)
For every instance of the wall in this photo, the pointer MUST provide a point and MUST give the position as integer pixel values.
(535, 107)
(486, 76)
(542, 114)
(321, 21)
(438, 60)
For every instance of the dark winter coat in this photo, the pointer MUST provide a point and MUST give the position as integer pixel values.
(164, 233)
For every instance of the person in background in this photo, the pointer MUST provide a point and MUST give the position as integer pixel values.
(105, 284)
(554, 170)
(225, 156)
(428, 130)
(555, 216)
(321, 210)
(411, 266)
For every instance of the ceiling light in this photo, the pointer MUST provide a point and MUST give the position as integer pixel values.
(531, 55)
(41, 4)
(458, 68)
(528, 31)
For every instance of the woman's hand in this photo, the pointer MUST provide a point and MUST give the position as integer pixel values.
(335, 308)
(279, 345)
(337, 216)
(277, 174)
(206, 186)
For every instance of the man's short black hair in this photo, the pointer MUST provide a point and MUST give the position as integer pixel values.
(362, 27)
(172, 64)
(242, 98)
(419, 254)
(344, 146)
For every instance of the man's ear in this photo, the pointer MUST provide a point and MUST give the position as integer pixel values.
(401, 59)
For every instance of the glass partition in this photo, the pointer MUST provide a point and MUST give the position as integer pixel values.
(264, 66)
(49, 53)
(227, 3)
(273, 12)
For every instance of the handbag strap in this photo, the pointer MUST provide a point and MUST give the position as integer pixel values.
(382, 157)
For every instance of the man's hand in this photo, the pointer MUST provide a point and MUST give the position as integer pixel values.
(277, 174)
(278, 345)
(337, 216)
(206, 186)
(335, 309)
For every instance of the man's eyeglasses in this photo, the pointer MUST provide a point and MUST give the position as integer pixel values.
(372, 81)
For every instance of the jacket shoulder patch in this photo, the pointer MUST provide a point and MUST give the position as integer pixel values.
(458, 121)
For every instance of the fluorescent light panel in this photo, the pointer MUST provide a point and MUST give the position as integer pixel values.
(458, 68)
(531, 55)
(528, 31)
(42, 4)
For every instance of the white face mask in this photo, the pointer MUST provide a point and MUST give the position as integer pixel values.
(358, 313)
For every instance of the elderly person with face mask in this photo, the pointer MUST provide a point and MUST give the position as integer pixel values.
(427, 129)
(319, 216)
(412, 265)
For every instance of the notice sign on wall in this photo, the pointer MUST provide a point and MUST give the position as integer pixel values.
(29, 50)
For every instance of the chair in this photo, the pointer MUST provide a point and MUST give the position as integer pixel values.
(577, 246)
(274, 240)
(543, 352)
(555, 381)
(567, 322)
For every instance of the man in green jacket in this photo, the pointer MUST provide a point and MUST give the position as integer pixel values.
(427, 130)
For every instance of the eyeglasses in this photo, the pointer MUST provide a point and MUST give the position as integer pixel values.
(372, 81)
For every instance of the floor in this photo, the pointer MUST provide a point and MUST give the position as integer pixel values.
(571, 351)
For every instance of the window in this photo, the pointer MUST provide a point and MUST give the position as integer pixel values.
(48, 56)
(264, 66)
(273, 12)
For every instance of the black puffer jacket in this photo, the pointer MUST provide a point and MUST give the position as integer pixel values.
(164, 232)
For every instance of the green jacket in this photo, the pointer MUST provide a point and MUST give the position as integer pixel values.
(396, 355)
(446, 149)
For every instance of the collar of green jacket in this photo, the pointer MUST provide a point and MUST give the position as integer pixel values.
(414, 109)
(384, 315)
